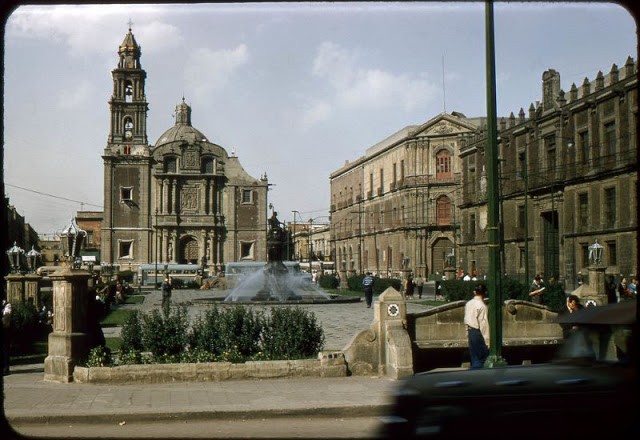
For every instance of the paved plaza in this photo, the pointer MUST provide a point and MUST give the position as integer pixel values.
(340, 321)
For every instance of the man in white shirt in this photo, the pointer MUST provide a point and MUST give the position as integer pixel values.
(475, 319)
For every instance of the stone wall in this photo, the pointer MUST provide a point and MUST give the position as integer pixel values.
(328, 364)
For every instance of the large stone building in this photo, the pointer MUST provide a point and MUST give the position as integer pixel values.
(417, 201)
(393, 210)
(181, 200)
(568, 178)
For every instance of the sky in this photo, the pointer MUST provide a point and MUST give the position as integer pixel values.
(294, 90)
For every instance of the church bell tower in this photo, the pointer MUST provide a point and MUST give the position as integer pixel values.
(126, 232)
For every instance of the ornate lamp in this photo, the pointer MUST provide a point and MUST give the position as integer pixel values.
(595, 253)
(14, 257)
(72, 238)
(32, 259)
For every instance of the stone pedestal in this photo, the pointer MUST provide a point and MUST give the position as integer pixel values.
(449, 273)
(594, 292)
(395, 350)
(32, 289)
(343, 280)
(15, 288)
(68, 343)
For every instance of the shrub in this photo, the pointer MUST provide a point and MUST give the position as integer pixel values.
(131, 345)
(165, 334)
(206, 332)
(25, 328)
(379, 284)
(177, 283)
(328, 281)
(291, 333)
(99, 357)
(457, 290)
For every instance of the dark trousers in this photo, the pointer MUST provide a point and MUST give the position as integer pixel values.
(368, 296)
(478, 350)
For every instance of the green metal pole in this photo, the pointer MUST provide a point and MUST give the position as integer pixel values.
(493, 214)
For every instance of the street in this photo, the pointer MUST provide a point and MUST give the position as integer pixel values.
(276, 427)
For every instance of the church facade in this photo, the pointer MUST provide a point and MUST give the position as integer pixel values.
(181, 200)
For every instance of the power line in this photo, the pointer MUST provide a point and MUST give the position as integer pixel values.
(52, 196)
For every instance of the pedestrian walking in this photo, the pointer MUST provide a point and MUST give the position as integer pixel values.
(166, 291)
(6, 340)
(419, 286)
(475, 319)
(367, 284)
(408, 287)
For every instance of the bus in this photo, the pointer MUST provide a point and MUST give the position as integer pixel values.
(234, 272)
(185, 272)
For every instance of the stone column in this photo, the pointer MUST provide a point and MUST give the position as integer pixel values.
(15, 288)
(68, 343)
(395, 351)
(343, 280)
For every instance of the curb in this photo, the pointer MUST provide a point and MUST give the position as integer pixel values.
(323, 412)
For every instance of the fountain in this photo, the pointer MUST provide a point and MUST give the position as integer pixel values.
(274, 282)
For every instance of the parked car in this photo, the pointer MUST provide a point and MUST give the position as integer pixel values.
(583, 394)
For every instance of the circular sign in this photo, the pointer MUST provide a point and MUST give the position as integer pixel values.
(393, 309)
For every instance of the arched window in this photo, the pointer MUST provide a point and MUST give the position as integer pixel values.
(207, 165)
(443, 165)
(443, 211)
(170, 165)
(128, 92)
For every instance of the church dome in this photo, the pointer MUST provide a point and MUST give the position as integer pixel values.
(183, 131)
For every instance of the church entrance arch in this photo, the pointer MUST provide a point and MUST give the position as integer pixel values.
(189, 250)
(439, 250)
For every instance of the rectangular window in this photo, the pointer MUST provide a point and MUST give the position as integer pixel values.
(402, 170)
(125, 249)
(170, 165)
(585, 254)
(522, 164)
(394, 175)
(247, 196)
(612, 253)
(585, 150)
(89, 237)
(246, 250)
(610, 207)
(583, 207)
(521, 218)
(472, 227)
(610, 139)
(550, 144)
(126, 193)
(381, 187)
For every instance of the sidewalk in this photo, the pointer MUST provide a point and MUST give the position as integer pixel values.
(30, 400)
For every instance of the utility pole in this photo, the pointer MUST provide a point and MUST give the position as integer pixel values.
(494, 275)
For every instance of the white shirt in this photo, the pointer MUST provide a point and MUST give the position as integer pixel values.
(475, 315)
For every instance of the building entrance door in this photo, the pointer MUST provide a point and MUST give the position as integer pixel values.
(439, 251)
(189, 252)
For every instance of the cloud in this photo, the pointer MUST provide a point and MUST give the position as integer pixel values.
(207, 71)
(356, 87)
(87, 29)
(314, 113)
(79, 94)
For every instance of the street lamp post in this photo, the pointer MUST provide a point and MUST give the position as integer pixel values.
(294, 233)
(72, 238)
(32, 259)
(14, 254)
(155, 285)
